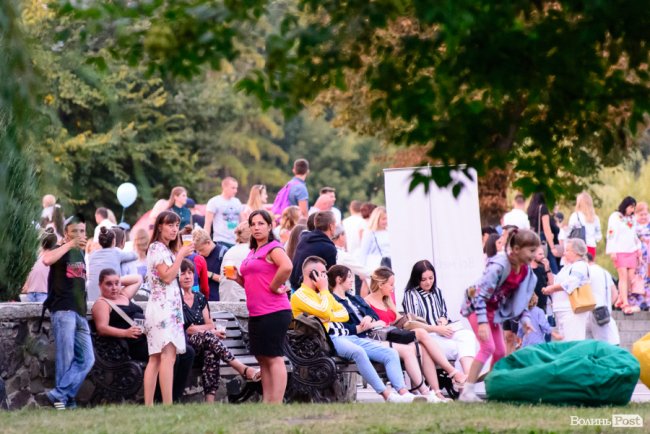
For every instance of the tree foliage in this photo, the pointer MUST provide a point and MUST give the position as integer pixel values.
(553, 88)
(17, 184)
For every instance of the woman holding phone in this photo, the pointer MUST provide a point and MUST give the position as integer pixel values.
(263, 275)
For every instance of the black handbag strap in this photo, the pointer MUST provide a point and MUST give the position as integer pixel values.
(377, 243)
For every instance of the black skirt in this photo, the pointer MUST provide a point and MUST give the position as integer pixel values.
(267, 333)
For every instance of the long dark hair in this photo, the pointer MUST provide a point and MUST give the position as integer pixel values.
(165, 217)
(106, 237)
(533, 206)
(627, 201)
(267, 218)
(419, 268)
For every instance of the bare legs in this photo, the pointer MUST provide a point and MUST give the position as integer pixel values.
(437, 355)
(274, 379)
(160, 366)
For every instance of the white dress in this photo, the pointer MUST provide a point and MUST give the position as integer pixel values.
(164, 312)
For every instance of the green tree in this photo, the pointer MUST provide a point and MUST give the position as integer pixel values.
(17, 182)
(553, 89)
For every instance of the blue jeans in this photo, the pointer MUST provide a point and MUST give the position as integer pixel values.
(36, 297)
(74, 354)
(362, 351)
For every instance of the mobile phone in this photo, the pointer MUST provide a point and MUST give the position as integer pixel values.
(313, 275)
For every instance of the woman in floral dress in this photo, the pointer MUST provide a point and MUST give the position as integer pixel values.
(640, 294)
(164, 312)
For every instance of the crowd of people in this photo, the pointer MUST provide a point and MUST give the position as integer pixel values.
(285, 259)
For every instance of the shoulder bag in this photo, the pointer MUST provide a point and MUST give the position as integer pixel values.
(601, 313)
(579, 231)
(392, 334)
(582, 298)
(385, 260)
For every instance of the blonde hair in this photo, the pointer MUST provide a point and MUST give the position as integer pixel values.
(176, 191)
(533, 301)
(641, 206)
(255, 197)
(141, 243)
(243, 233)
(200, 236)
(290, 217)
(377, 214)
(379, 276)
(585, 205)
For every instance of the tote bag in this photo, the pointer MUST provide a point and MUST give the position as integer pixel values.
(582, 298)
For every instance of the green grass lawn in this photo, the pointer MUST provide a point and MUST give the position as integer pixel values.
(321, 418)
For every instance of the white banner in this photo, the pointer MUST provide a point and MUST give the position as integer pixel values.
(436, 226)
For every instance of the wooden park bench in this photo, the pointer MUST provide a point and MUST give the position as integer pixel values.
(319, 377)
(118, 378)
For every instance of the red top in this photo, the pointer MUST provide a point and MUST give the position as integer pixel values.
(509, 286)
(387, 316)
(202, 272)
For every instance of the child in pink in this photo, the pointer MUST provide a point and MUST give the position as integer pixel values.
(502, 293)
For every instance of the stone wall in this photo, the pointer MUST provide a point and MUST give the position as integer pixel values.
(27, 356)
(632, 327)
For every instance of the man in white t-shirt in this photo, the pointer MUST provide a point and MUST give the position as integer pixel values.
(354, 225)
(325, 202)
(602, 286)
(222, 213)
(102, 220)
(518, 216)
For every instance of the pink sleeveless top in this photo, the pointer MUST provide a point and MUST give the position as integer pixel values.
(258, 273)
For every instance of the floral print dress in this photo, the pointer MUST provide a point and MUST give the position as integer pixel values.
(164, 312)
(637, 299)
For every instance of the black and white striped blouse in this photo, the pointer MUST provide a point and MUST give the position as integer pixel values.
(427, 304)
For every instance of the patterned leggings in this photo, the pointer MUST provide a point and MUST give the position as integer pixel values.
(213, 351)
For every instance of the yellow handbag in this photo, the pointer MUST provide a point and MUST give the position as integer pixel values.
(582, 298)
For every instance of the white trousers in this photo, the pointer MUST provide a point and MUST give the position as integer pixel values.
(606, 333)
(572, 326)
(462, 344)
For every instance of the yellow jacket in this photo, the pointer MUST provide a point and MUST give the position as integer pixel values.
(320, 304)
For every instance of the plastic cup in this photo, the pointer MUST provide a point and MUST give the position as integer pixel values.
(187, 239)
(221, 324)
(229, 269)
(140, 323)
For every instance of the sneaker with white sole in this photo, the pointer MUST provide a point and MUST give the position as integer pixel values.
(400, 399)
(469, 396)
(432, 398)
(58, 405)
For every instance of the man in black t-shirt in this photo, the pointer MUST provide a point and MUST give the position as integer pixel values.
(66, 301)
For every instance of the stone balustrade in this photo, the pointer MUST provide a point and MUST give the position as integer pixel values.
(27, 356)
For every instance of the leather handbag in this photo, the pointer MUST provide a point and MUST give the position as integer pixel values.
(582, 298)
(392, 334)
(601, 313)
(578, 231)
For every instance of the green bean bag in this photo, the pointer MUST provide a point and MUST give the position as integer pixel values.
(570, 373)
(641, 350)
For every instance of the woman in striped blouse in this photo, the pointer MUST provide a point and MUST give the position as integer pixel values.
(424, 299)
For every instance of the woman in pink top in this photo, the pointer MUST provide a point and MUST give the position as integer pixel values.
(263, 274)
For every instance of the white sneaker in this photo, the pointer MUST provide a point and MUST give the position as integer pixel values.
(432, 398)
(400, 399)
(469, 396)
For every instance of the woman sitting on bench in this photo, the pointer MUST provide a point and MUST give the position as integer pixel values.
(204, 338)
(114, 315)
(363, 319)
(382, 284)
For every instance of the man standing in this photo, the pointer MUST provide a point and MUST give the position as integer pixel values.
(67, 304)
(315, 243)
(223, 214)
(518, 216)
(101, 218)
(354, 225)
(298, 194)
(325, 202)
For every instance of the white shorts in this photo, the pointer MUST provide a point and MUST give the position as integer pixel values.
(572, 326)
(462, 344)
